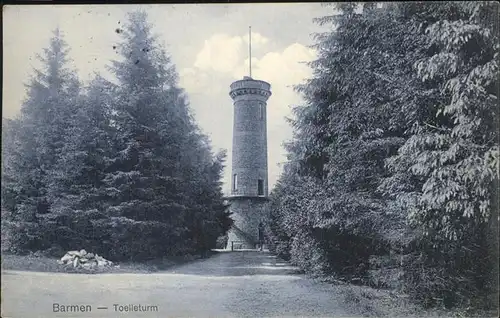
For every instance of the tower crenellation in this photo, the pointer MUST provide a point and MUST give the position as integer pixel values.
(249, 86)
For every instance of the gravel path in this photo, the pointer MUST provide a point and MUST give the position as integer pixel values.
(229, 284)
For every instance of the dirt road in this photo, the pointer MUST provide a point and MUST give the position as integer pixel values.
(229, 284)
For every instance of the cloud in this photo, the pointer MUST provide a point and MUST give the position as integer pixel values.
(285, 67)
(194, 80)
(257, 40)
(223, 53)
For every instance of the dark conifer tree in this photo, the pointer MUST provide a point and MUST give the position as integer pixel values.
(158, 180)
(39, 133)
(398, 139)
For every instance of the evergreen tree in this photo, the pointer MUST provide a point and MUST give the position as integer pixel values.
(395, 148)
(77, 189)
(452, 157)
(154, 181)
(51, 100)
(350, 124)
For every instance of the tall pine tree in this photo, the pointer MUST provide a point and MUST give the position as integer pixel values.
(350, 124)
(76, 188)
(52, 96)
(158, 176)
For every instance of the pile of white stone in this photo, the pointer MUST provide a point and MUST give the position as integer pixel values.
(82, 259)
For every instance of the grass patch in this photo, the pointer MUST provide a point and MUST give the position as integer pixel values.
(365, 301)
(40, 263)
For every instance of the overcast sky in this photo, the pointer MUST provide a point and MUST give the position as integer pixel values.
(207, 43)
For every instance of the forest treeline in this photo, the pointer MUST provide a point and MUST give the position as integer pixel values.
(392, 173)
(118, 166)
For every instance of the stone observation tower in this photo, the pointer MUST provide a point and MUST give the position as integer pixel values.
(249, 187)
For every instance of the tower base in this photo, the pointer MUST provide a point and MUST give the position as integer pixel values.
(247, 213)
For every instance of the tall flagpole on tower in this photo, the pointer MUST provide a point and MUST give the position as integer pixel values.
(250, 50)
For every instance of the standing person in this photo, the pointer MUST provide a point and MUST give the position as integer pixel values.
(261, 236)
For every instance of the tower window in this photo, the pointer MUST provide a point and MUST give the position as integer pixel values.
(261, 111)
(260, 187)
(235, 182)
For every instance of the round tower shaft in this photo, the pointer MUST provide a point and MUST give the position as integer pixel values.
(249, 157)
(249, 182)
